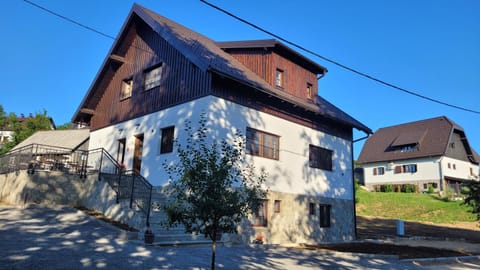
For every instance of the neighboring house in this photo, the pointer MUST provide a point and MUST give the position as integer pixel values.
(433, 152)
(6, 135)
(159, 74)
(73, 139)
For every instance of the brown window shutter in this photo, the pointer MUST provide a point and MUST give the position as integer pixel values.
(374, 171)
(398, 169)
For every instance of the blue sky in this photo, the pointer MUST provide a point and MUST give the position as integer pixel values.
(431, 47)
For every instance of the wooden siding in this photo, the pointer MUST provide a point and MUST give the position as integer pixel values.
(181, 80)
(249, 97)
(265, 62)
(295, 76)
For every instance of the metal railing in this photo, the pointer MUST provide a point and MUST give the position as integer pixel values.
(128, 185)
(35, 157)
(135, 187)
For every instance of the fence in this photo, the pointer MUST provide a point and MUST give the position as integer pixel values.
(128, 185)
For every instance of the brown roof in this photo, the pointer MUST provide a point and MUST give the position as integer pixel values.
(208, 56)
(430, 137)
(278, 47)
(69, 138)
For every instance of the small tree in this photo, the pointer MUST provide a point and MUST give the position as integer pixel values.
(473, 197)
(212, 188)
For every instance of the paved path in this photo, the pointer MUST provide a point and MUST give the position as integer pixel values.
(38, 237)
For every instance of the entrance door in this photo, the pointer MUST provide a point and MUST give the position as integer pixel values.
(137, 153)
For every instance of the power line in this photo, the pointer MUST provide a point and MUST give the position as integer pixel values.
(81, 24)
(362, 74)
(355, 71)
(69, 20)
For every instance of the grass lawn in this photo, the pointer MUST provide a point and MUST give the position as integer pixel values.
(412, 206)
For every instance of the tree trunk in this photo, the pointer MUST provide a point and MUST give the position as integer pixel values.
(214, 249)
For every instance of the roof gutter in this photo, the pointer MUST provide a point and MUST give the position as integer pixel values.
(362, 138)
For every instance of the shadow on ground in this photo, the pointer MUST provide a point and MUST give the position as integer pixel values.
(38, 237)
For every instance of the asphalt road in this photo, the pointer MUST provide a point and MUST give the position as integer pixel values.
(39, 237)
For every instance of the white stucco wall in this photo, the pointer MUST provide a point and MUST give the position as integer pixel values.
(459, 169)
(427, 169)
(434, 168)
(290, 174)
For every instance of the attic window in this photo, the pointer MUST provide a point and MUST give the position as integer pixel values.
(153, 76)
(408, 148)
(279, 78)
(127, 86)
(309, 91)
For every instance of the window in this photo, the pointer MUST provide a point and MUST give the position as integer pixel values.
(166, 142)
(309, 91)
(152, 77)
(471, 171)
(449, 166)
(262, 144)
(408, 148)
(121, 150)
(325, 210)
(320, 158)
(311, 209)
(379, 171)
(279, 78)
(276, 206)
(454, 166)
(260, 217)
(127, 86)
(410, 168)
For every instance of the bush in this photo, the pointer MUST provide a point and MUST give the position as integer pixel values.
(388, 188)
(409, 188)
(430, 190)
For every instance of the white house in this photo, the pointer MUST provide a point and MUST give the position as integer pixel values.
(433, 152)
(159, 74)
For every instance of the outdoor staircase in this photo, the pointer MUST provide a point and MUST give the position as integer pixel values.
(171, 235)
(164, 235)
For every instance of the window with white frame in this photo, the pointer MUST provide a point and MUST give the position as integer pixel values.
(379, 171)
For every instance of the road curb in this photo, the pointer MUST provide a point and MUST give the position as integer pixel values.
(442, 259)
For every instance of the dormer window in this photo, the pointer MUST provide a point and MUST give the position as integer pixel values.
(408, 148)
(309, 91)
(279, 78)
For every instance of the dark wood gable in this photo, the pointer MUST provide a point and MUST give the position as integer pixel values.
(268, 57)
(139, 49)
(186, 61)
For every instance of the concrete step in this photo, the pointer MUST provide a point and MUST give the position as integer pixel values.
(180, 238)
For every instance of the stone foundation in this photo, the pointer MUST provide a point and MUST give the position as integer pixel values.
(293, 224)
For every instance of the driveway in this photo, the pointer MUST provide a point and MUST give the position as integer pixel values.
(39, 237)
